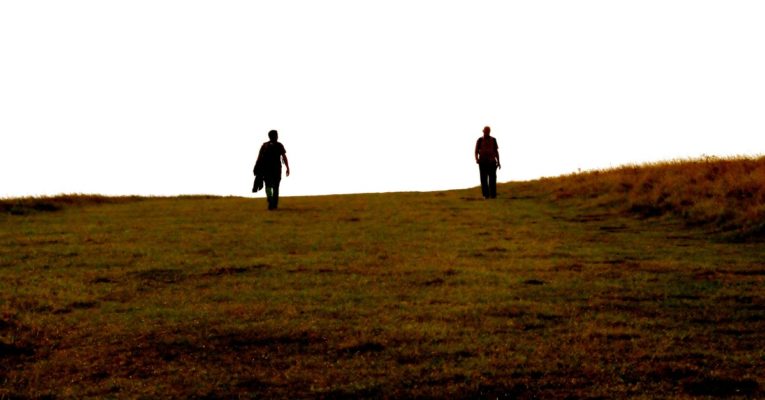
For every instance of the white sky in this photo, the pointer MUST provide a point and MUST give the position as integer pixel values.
(175, 97)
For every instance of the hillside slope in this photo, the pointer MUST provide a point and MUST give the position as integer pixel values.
(727, 195)
(557, 289)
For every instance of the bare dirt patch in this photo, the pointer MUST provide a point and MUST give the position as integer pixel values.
(721, 387)
(233, 270)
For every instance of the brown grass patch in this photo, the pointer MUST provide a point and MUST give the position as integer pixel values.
(725, 194)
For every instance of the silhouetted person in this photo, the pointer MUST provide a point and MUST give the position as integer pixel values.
(487, 157)
(269, 167)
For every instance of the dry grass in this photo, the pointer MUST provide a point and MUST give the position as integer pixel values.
(726, 194)
(27, 205)
(403, 295)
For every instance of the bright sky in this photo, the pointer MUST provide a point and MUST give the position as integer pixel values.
(175, 97)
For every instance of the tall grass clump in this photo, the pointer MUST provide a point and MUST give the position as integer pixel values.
(726, 194)
(29, 205)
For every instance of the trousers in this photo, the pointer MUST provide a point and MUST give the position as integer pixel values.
(272, 193)
(488, 179)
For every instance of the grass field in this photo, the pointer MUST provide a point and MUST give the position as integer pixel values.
(588, 286)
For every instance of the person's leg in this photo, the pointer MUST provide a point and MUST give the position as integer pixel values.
(269, 184)
(484, 180)
(493, 182)
(270, 196)
(276, 194)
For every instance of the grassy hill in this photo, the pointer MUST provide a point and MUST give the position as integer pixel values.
(727, 195)
(639, 281)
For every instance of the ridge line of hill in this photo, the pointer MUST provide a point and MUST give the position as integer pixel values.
(724, 194)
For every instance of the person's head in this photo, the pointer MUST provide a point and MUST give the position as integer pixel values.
(273, 135)
(486, 130)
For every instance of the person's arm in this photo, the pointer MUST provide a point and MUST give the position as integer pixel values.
(477, 142)
(496, 150)
(286, 163)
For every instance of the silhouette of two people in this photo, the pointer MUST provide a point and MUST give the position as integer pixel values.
(268, 168)
(487, 158)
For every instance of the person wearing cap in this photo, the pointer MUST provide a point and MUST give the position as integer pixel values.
(269, 167)
(487, 158)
